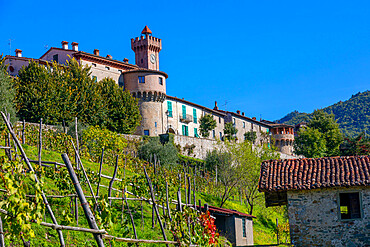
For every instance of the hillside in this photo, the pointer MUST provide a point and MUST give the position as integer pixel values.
(353, 115)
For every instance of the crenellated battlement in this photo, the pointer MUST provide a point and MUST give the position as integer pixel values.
(145, 41)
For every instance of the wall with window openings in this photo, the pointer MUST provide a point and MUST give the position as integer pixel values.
(330, 217)
(101, 71)
(183, 119)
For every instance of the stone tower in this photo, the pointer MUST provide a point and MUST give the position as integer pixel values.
(147, 83)
(146, 50)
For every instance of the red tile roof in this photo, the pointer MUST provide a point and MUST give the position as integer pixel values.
(213, 209)
(306, 174)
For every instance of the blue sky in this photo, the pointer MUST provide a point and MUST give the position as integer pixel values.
(265, 58)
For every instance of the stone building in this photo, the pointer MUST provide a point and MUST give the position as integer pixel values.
(237, 227)
(161, 113)
(283, 135)
(328, 198)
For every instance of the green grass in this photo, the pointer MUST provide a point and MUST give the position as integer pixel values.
(264, 223)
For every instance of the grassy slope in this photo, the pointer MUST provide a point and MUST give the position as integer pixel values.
(263, 224)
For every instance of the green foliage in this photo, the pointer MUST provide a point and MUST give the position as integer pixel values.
(321, 138)
(122, 109)
(56, 93)
(7, 92)
(191, 227)
(250, 136)
(359, 145)
(167, 154)
(230, 131)
(353, 115)
(206, 124)
(21, 210)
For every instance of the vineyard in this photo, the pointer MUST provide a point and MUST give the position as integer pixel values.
(97, 192)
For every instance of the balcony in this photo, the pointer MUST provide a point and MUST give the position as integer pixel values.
(188, 119)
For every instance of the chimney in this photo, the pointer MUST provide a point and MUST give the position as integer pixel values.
(238, 112)
(216, 107)
(18, 53)
(243, 114)
(125, 60)
(254, 118)
(74, 46)
(65, 45)
(109, 56)
(96, 52)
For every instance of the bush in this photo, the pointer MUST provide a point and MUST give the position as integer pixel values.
(167, 154)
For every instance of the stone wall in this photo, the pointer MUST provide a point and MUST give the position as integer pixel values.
(201, 145)
(314, 218)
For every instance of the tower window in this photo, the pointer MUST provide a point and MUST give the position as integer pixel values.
(213, 133)
(146, 132)
(160, 81)
(93, 64)
(350, 206)
(107, 68)
(141, 79)
(243, 124)
(219, 119)
(142, 60)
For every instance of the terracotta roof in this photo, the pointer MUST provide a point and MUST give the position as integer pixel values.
(103, 60)
(196, 105)
(146, 30)
(306, 174)
(213, 209)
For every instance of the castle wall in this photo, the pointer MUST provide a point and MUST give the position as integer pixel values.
(201, 145)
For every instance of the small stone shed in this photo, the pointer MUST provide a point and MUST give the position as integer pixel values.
(237, 227)
(328, 198)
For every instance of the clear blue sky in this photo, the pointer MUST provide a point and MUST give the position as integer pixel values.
(263, 57)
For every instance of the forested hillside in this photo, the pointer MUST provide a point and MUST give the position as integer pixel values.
(353, 115)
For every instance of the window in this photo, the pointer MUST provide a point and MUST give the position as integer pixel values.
(160, 81)
(219, 119)
(55, 58)
(196, 132)
(119, 71)
(142, 60)
(155, 124)
(146, 132)
(183, 112)
(94, 64)
(243, 124)
(169, 108)
(95, 79)
(141, 79)
(220, 135)
(107, 68)
(214, 133)
(234, 121)
(121, 81)
(195, 116)
(349, 204)
(185, 130)
(243, 226)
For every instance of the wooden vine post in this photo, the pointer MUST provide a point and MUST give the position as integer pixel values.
(155, 205)
(112, 181)
(77, 143)
(85, 205)
(23, 132)
(100, 171)
(45, 200)
(40, 142)
(2, 243)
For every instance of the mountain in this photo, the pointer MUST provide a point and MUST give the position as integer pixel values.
(352, 115)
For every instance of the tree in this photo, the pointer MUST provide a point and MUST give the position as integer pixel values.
(250, 136)
(122, 109)
(167, 154)
(359, 145)
(7, 91)
(207, 123)
(322, 137)
(230, 131)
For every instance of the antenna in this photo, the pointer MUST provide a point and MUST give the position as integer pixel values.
(46, 47)
(225, 105)
(10, 46)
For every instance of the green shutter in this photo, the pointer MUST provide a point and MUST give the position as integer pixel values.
(169, 108)
(195, 132)
(183, 130)
(186, 131)
(195, 115)
(183, 112)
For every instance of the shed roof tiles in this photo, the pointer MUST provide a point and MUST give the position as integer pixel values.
(306, 174)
